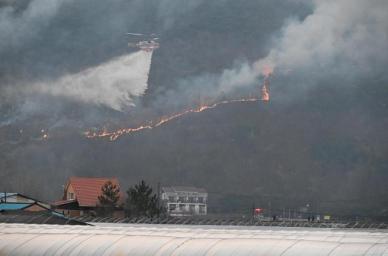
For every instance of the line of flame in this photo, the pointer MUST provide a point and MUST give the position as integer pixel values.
(264, 89)
(113, 135)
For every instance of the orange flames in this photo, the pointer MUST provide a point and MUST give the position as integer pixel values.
(267, 72)
(113, 135)
(264, 90)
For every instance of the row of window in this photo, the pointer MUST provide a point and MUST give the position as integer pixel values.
(182, 207)
(184, 199)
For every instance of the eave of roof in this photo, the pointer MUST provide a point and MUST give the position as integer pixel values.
(63, 202)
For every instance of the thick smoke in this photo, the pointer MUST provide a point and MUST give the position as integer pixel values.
(112, 84)
(339, 37)
(17, 29)
(344, 37)
(170, 11)
(56, 46)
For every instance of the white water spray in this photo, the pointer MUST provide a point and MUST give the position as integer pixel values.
(112, 84)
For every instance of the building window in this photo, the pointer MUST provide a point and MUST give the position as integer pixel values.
(202, 209)
(192, 208)
(201, 200)
(171, 199)
(70, 196)
(182, 199)
(191, 199)
(182, 207)
(172, 207)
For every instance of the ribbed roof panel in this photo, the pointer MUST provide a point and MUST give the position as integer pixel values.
(110, 239)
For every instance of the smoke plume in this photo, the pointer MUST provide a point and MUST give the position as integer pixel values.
(347, 38)
(112, 84)
(344, 37)
(18, 29)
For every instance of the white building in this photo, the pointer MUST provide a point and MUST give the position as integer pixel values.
(184, 201)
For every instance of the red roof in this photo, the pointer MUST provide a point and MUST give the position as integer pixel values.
(87, 190)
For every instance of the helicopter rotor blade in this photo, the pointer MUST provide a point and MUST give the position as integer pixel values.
(135, 34)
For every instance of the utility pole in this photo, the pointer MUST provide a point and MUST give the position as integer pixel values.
(253, 211)
(158, 202)
(269, 208)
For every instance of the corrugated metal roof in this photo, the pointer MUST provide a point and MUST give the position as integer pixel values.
(42, 217)
(235, 221)
(20, 198)
(177, 240)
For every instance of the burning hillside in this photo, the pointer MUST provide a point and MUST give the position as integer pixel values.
(113, 135)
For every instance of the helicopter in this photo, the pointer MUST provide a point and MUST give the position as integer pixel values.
(145, 45)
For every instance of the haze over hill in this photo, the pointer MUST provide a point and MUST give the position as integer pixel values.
(322, 138)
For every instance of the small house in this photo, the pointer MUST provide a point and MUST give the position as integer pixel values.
(80, 197)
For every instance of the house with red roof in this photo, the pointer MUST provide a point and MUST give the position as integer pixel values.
(80, 197)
